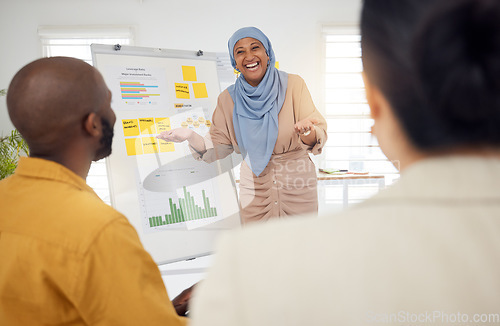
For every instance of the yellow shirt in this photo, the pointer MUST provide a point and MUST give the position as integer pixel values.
(67, 258)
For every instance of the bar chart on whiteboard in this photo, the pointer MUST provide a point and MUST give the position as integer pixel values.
(180, 194)
(137, 87)
(185, 210)
(188, 207)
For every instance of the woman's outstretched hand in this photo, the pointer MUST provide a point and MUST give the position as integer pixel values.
(304, 126)
(306, 131)
(177, 135)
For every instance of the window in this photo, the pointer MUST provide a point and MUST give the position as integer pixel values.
(74, 41)
(71, 41)
(350, 145)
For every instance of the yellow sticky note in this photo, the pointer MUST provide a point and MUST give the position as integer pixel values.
(277, 64)
(150, 145)
(200, 90)
(181, 90)
(147, 125)
(166, 146)
(130, 127)
(189, 73)
(134, 146)
(162, 124)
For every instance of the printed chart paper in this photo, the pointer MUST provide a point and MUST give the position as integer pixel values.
(175, 190)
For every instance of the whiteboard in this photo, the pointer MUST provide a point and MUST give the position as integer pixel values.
(178, 205)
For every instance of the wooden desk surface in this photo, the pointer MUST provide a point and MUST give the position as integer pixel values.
(347, 176)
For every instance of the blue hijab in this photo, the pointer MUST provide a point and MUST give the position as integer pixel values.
(255, 113)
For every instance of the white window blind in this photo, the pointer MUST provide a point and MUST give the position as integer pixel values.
(350, 145)
(75, 41)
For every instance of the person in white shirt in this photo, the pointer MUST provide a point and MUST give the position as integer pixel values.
(427, 249)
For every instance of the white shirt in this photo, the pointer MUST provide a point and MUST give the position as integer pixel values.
(424, 251)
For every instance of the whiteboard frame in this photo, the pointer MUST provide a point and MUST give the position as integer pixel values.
(208, 239)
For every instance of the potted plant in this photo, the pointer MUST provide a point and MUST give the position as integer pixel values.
(12, 147)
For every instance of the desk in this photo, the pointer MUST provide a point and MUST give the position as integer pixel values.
(346, 180)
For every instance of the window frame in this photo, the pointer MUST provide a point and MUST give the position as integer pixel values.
(390, 172)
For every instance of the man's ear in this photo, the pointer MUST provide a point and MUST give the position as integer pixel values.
(373, 97)
(91, 125)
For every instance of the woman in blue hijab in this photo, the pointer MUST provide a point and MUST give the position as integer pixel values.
(269, 117)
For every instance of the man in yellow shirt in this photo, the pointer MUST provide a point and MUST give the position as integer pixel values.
(67, 258)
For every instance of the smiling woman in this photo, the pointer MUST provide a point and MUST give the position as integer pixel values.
(269, 117)
(251, 60)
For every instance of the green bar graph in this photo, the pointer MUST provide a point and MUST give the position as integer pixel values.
(187, 211)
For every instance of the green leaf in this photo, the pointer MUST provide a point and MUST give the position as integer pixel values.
(12, 147)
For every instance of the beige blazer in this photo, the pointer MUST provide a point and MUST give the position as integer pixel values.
(424, 251)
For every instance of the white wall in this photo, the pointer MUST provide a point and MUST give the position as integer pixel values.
(293, 26)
